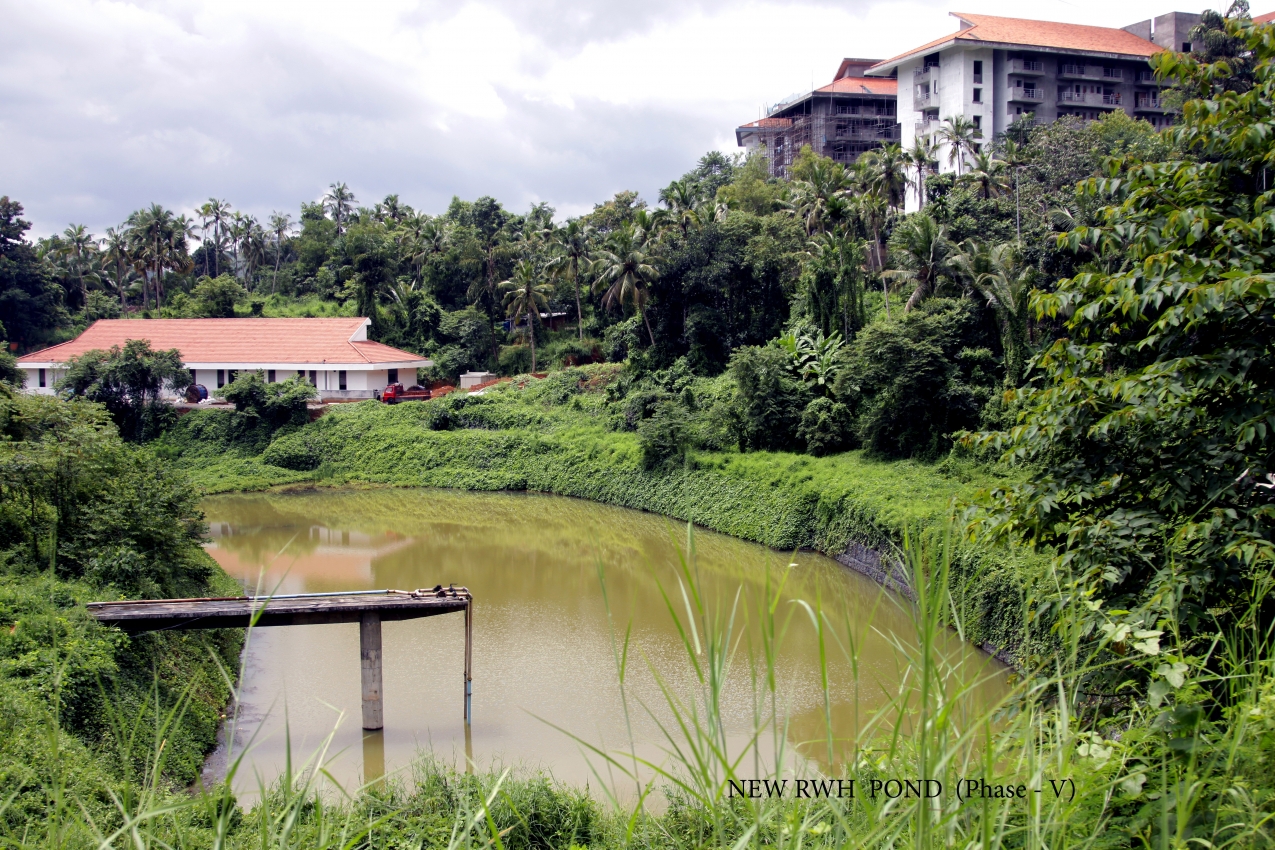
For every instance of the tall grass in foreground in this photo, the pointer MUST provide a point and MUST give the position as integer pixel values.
(1058, 766)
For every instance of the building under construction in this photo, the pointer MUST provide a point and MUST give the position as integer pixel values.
(850, 116)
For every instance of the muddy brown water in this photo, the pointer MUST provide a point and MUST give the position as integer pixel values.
(544, 645)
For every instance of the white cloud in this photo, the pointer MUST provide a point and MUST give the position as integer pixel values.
(106, 105)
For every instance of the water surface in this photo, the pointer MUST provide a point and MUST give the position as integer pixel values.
(544, 646)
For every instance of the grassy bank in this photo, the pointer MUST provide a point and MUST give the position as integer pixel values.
(569, 435)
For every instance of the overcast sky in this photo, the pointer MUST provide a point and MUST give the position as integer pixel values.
(108, 106)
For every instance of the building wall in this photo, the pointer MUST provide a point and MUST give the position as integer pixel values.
(1017, 84)
(358, 383)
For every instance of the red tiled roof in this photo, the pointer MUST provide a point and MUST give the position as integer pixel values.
(235, 341)
(1264, 19)
(863, 85)
(1048, 34)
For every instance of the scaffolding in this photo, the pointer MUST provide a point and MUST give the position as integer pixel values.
(842, 127)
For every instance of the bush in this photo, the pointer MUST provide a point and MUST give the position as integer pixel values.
(515, 359)
(768, 406)
(912, 383)
(269, 405)
(215, 297)
(826, 427)
(621, 339)
(668, 434)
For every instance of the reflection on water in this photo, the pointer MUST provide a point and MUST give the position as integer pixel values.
(543, 648)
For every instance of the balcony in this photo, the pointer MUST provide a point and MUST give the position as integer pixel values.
(1080, 72)
(922, 101)
(1148, 103)
(1146, 78)
(925, 128)
(922, 70)
(1113, 73)
(1026, 66)
(1026, 95)
(1090, 98)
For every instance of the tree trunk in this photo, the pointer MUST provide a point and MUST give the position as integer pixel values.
(575, 278)
(647, 322)
(531, 335)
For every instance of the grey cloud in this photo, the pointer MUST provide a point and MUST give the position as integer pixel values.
(95, 125)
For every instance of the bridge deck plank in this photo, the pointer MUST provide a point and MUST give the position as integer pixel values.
(142, 616)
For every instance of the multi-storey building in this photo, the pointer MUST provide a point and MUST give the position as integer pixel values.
(995, 71)
(842, 120)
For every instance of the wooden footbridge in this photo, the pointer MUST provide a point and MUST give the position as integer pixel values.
(368, 608)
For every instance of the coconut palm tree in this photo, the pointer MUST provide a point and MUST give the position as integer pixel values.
(116, 252)
(339, 201)
(254, 249)
(987, 174)
(1007, 283)
(217, 214)
(77, 250)
(814, 198)
(921, 157)
(885, 170)
(923, 259)
(433, 238)
(625, 271)
(526, 294)
(157, 240)
(573, 246)
(281, 227)
(960, 135)
(681, 197)
(1015, 157)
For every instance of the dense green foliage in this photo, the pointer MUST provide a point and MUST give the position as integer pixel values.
(85, 516)
(129, 382)
(1152, 422)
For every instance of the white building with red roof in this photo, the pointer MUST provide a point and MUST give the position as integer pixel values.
(335, 355)
(995, 71)
(843, 120)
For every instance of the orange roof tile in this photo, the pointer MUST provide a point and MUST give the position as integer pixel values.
(862, 85)
(1044, 34)
(768, 122)
(1264, 19)
(283, 341)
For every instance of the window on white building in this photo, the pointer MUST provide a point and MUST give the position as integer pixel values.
(270, 375)
(978, 95)
(340, 379)
(43, 379)
(392, 377)
(221, 378)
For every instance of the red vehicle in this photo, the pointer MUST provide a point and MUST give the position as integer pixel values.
(394, 393)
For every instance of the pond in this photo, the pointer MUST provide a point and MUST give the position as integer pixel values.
(558, 584)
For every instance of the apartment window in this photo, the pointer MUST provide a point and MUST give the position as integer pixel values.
(1018, 84)
(221, 378)
(978, 70)
(44, 381)
(340, 380)
(978, 121)
(392, 377)
(270, 375)
(978, 95)
(1186, 47)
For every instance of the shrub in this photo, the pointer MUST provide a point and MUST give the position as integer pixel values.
(826, 427)
(668, 434)
(767, 408)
